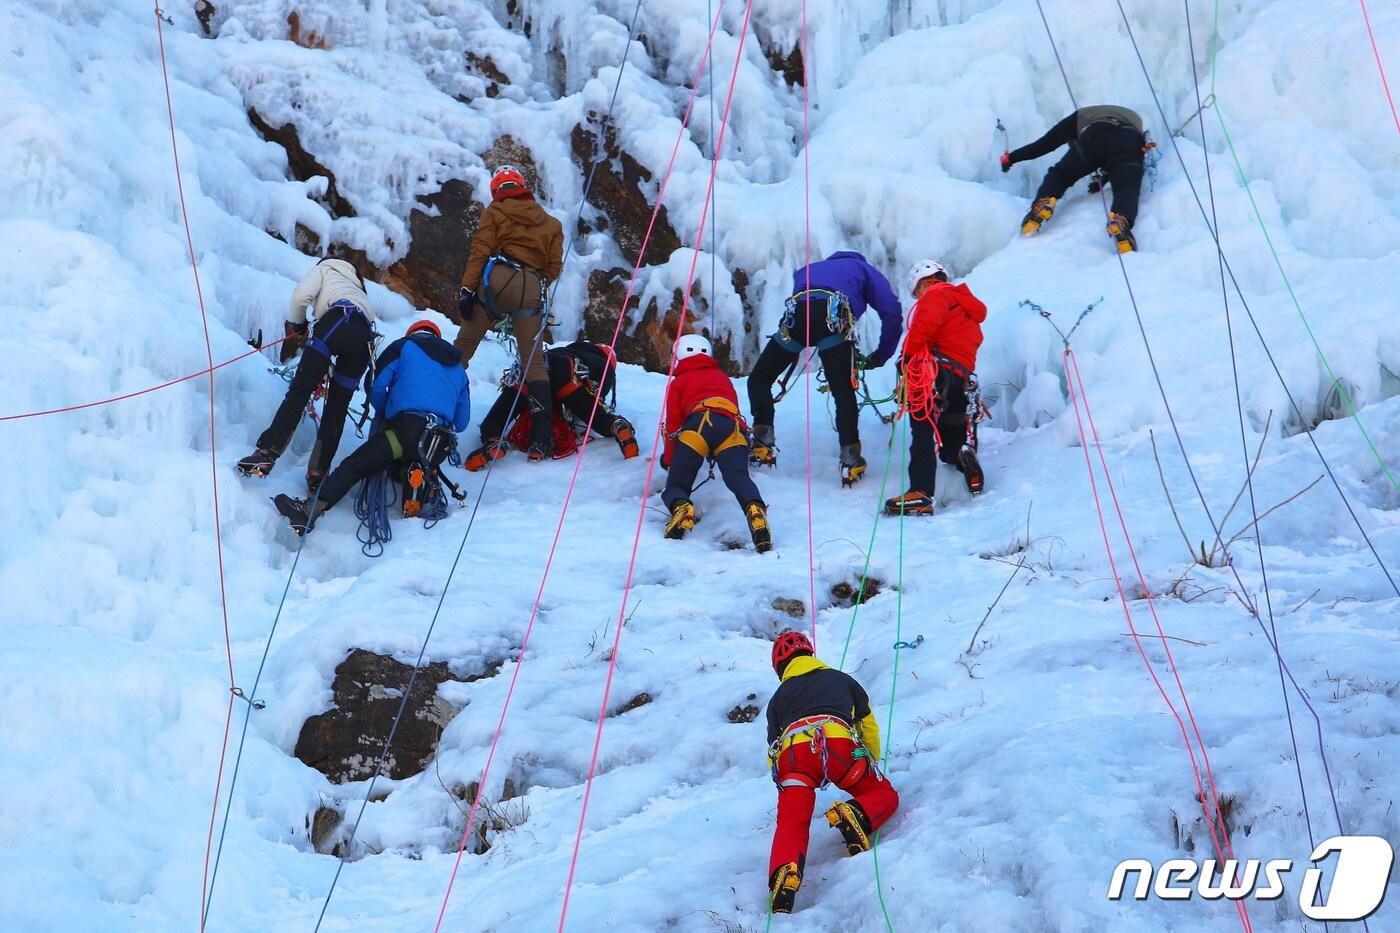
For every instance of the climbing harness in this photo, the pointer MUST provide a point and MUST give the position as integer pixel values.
(519, 269)
(421, 484)
(840, 321)
(694, 438)
(814, 730)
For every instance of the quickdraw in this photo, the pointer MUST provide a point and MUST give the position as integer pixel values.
(840, 320)
(1027, 303)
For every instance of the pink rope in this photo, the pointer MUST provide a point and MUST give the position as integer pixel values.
(807, 379)
(573, 480)
(651, 467)
(1206, 793)
(1375, 50)
(213, 461)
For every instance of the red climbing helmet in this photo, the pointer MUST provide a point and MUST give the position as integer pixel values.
(429, 326)
(788, 646)
(507, 176)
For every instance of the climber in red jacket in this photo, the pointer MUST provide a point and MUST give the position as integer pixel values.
(945, 330)
(703, 424)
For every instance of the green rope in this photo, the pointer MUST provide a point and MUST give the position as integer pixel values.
(894, 681)
(1288, 284)
(869, 553)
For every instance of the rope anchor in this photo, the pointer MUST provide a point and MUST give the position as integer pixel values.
(255, 704)
(1027, 303)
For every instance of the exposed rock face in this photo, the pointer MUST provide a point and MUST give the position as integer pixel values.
(205, 12)
(430, 274)
(303, 164)
(618, 193)
(345, 742)
(646, 338)
(305, 38)
(493, 76)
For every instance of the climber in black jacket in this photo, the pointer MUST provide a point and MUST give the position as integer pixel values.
(1106, 138)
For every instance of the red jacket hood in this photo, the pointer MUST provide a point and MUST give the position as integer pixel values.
(691, 363)
(971, 305)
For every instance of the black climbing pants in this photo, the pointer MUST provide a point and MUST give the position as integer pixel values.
(350, 351)
(809, 329)
(578, 402)
(374, 455)
(1115, 149)
(733, 463)
(952, 428)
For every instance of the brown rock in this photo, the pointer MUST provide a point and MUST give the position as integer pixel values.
(483, 65)
(204, 11)
(617, 193)
(743, 713)
(303, 164)
(345, 742)
(431, 272)
(304, 38)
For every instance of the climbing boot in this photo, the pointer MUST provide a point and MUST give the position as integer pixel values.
(298, 512)
(757, 515)
(683, 518)
(538, 452)
(912, 502)
(782, 888)
(763, 451)
(626, 438)
(1042, 210)
(847, 817)
(493, 449)
(852, 464)
(259, 463)
(1121, 231)
(971, 469)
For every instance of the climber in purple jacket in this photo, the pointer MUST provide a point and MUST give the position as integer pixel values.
(828, 297)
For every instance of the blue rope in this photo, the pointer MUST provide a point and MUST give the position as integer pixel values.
(372, 504)
(422, 653)
(253, 703)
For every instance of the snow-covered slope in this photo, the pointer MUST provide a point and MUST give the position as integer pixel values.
(1028, 765)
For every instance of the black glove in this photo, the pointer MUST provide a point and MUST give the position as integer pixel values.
(465, 299)
(296, 339)
(1006, 162)
(1096, 183)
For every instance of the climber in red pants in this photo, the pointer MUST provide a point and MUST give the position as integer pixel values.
(820, 731)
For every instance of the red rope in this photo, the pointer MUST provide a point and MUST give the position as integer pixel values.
(920, 379)
(1205, 790)
(1375, 50)
(578, 463)
(213, 459)
(807, 378)
(651, 467)
(156, 388)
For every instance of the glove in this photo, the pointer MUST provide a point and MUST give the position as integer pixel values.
(1096, 183)
(1006, 162)
(465, 299)
(871, 361)
(296, 339)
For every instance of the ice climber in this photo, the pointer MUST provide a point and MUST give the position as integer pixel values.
(581, 375)
(703, 424)
(516, 252)
(820, 731)
(1105, 138)
(419, 387)
(340, 344)
(828, 298)
(945, 331)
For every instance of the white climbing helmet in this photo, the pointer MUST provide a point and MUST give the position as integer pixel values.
(923, 269)
(692, 344)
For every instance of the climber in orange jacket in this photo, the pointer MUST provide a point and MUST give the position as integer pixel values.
(945, 328)
(820, 731)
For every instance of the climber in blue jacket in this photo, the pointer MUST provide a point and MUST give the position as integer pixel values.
(419, 383)
(828, 297)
